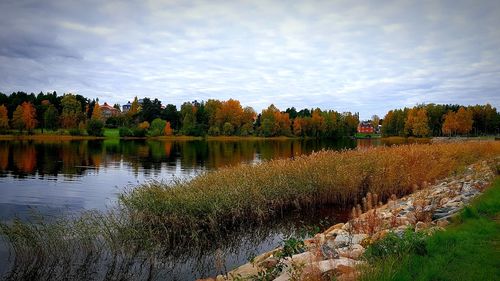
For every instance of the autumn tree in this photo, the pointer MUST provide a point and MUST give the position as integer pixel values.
(17, 118)
(417, 122)
(71, 109)
(450, 124)
(464, 118)
(167, 131)
(4, 118)
(297, 126)
(29, 116)
(96, 113)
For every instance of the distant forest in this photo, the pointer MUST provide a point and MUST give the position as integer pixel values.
(76, 115)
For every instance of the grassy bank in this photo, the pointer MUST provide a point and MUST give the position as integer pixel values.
(468, 250)
(255, 193)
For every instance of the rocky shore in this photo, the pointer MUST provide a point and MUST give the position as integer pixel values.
(338, 251)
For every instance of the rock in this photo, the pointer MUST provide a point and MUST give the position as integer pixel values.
(421, 226)
(442, 223)
(220, 278)
(353, 252)
(247, 269)
(443, 201)
(333, 264)
(328, 252)
(337, 226)
(379, 235)
(263, 256)
(344, 269)
(303, 258)
(350, 239)
(269, 263)
(320, 237)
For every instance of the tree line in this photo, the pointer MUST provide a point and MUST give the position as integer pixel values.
(148, 117)
(441, 120)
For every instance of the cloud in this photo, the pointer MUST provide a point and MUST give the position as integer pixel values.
(363, 56)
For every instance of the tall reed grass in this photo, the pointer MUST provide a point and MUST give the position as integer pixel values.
(255, 193)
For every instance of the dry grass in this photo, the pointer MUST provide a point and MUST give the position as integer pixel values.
(255, 193)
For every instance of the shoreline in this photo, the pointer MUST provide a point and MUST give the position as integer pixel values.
(339, 249)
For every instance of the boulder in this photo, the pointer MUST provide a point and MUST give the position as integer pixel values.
(350, 239)
(354, 252)
(421, 226)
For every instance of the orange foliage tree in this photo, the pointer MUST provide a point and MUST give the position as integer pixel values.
(459, 122)
(167, 131)
(29, 116)
(4, 118)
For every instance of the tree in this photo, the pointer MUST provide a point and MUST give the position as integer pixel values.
(151, 109)
(96, 113)
(450, 124)
(4, 118)
(268, 126)
(297, 126)
(171, 114)
(464, 120)
(134, 108)
(375, 121)
(17, 118)
(71, 109)
(167, 131)
(95, 127)
(417, 122)
(50, 117)
(157, 127)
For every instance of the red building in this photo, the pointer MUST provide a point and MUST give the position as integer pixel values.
(365, 127)
(108, 111)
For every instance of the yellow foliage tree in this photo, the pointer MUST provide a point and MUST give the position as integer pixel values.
(417, 123)
(97, 113)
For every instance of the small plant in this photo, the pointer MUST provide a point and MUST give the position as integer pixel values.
(395, 245)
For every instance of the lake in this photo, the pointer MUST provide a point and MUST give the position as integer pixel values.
(66, 177)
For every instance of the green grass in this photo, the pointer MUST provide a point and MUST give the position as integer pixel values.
(366, 136)
(468, 250)
(111, 133)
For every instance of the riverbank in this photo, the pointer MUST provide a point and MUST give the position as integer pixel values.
(256, 193)
(388, 241)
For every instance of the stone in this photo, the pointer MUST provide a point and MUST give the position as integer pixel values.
(332, 264)
(379, 235)
(247, 269)
(303, 258)
(443, 201)
(421, 226)
(350, 239)
(220, 278)
(332, 228)
(269, 263)
(328, 252)
(353, 252)
(266, 255)
(442, 223)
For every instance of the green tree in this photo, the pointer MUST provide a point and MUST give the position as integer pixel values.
(50, 118)
(71, 111)
(17, 118)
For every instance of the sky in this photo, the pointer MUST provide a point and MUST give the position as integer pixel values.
(359, 56)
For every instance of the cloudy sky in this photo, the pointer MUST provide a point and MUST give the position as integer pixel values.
(361, 56)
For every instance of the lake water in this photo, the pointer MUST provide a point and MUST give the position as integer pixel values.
(57, 177)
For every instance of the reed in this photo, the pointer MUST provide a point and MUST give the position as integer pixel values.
(231, 196)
